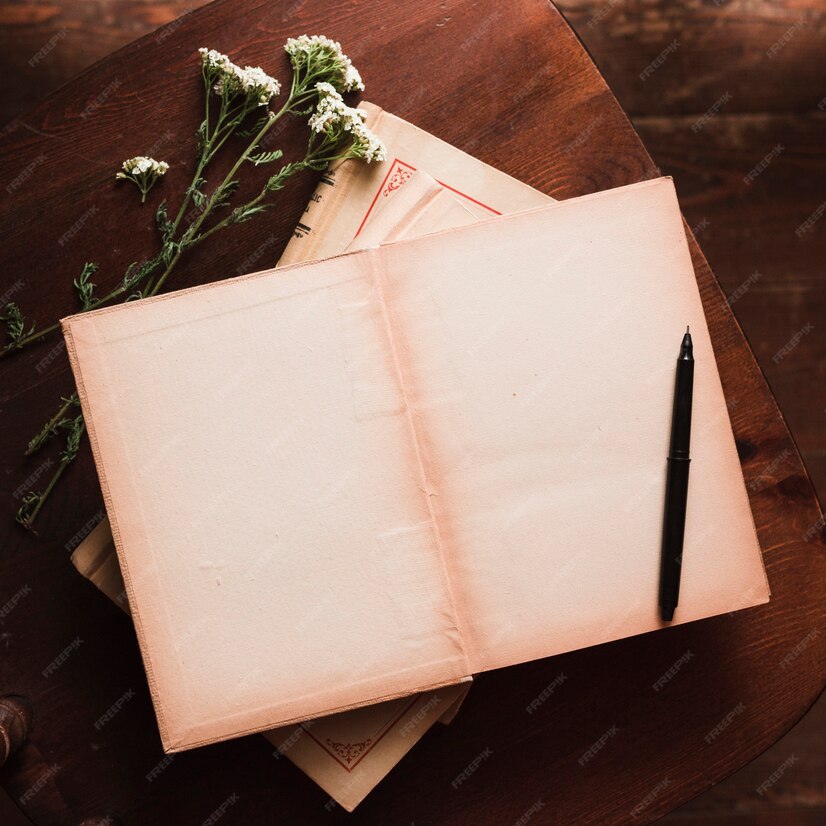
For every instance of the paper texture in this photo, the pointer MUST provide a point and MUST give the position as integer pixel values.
(424, 460)
(351, 191)
(347, 754)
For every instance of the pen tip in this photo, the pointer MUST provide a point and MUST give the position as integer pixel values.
(666, 613)
(687, 329)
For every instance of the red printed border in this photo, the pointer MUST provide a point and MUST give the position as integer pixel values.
(381, 733)
(398, 165)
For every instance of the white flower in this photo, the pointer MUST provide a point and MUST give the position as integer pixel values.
(335, 118)
(325, 54)
(256, 83)
(251, 81)
(367, 144)
(214, 61)
(143, 172)
(141, 164)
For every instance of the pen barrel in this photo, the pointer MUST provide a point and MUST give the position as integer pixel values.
(676, 488)
(681, 416)
(676, 497)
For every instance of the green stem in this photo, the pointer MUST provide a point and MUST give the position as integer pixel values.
(43, 435)
(192, 232)
(28, 522)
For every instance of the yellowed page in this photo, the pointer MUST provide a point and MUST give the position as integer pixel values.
(539, 353)
(275, 536)
(351, 191)
(348, 754)
(327, 399)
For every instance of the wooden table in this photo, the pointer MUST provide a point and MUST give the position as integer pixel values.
(512, 85)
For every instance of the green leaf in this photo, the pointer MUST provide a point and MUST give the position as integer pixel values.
(165, 226)
(196, 192)
(255, 128)
(222, 196)
(24, 513)
(76, 428)
(15, 325)
(85, 288)
(202, 130)
(265, 157)
(168, 251)
(244, 213)
(279, 180)
(137, 271)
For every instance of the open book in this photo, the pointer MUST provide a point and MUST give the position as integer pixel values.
(355, 206)
(347, 754)
(347, 481)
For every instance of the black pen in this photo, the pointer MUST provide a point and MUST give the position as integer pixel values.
(676, 486)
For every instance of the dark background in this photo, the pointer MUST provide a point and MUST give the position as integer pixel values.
(730, 98)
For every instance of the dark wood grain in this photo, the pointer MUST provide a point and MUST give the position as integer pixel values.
(662, 58)
(765, 665)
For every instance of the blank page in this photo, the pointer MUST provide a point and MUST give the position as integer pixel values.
(540, 351)
(266, 501)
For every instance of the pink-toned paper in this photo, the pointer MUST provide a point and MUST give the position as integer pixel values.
(379, 473)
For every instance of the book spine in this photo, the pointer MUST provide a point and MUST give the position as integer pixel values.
(311, 236)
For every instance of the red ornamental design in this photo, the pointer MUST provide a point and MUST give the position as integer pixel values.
(348, 752)
(399, 176)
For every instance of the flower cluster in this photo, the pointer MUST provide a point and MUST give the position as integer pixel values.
(231, 80)
(337, 121)
(324, 62)
(143, 172)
